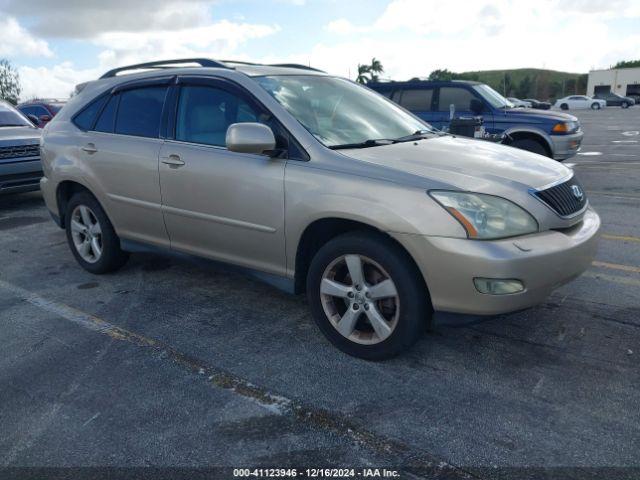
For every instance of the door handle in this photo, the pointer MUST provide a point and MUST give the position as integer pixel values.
(90, 148)
(173, 161)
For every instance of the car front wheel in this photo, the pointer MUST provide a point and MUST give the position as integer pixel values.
(564, 106)
(367, 296)
(595, 106)
(91, 237)
(625, 105)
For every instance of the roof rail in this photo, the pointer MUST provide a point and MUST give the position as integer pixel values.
(203, 62)
(295, 65)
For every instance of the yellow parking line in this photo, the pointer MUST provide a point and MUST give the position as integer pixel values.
(613, 278)
(616, 266)
(622, 238)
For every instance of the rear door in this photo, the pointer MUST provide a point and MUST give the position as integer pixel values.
(120, 151)
(217, 203)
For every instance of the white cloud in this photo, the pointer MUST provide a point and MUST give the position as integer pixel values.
(414, 37)
(18, 41)
(217, 40)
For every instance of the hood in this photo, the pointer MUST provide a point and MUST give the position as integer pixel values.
(19, 135)
(466, 164)
(533, 114)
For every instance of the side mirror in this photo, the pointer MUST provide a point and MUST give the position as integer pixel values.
(45, 118)
(33, 119)
(476, 106)
(250, 138)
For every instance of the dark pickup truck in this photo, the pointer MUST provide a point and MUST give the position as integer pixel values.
(20, 167)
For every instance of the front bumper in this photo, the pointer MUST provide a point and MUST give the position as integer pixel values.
(542, 261)
(566, 146)
(20, 176)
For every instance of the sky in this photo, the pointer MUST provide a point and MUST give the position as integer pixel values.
(56, 44)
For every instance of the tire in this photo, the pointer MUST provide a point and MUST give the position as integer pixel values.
(530, 145)
(564, 106)
(405, 314)
(624, 105)
(97, 250)
(595, 106)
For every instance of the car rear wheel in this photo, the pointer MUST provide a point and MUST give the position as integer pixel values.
(91, 237)
(530, 145)
(595, 106)
(367, 296)
(564, 106)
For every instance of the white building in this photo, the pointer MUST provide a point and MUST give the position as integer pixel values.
(623, 81)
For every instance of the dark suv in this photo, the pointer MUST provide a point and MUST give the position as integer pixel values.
(553, 134)
(42, 109)
(615, 100)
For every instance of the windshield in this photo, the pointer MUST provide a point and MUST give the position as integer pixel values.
(10, 117)
(494, 98)
(339, 112)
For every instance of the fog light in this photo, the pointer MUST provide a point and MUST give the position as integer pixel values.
(494, 286)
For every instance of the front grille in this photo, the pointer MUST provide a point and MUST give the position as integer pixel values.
(19, 151)
(566, 198)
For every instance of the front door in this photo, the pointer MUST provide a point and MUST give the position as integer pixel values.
(216, 203)
(460, 98)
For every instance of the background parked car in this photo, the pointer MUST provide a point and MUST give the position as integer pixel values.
(553, 134)
(519, 103)
(20, 167)
(43, 109)
(579, 102)
(538, 104)
(615, 100)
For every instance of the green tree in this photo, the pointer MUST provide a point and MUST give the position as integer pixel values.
(441, 74)
(371, 72)
(524, 88)
(9, 82)
(363, 74)
(627, 64)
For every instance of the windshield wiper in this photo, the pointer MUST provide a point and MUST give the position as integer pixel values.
(366, 144)
(13, 125)
(417, 135)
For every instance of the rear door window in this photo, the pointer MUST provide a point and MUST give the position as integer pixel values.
(139, 112)
(459, 97)
(417, 99)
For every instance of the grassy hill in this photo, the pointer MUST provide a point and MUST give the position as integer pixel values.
(526, 82)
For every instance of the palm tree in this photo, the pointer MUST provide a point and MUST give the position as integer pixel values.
(375, 68)
(363, 70)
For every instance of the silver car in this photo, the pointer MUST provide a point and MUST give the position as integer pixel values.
(320, 185)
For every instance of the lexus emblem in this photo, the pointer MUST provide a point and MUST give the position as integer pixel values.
(577, 192)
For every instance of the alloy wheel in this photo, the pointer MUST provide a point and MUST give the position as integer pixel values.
(360, 299)
(86, 234)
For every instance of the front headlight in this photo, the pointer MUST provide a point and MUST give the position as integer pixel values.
(565, 127)
(486, 217)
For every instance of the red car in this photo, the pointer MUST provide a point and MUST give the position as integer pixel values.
(42, 109)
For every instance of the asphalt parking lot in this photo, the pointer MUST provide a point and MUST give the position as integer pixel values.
(174, 362)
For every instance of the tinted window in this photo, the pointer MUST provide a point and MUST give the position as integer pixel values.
(29, 110)
(460, 97)
(417, 99)
(139, 112)
(85, 118)
(205, 113)
(107, 117)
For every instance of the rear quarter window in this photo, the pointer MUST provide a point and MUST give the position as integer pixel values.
(84, 120)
